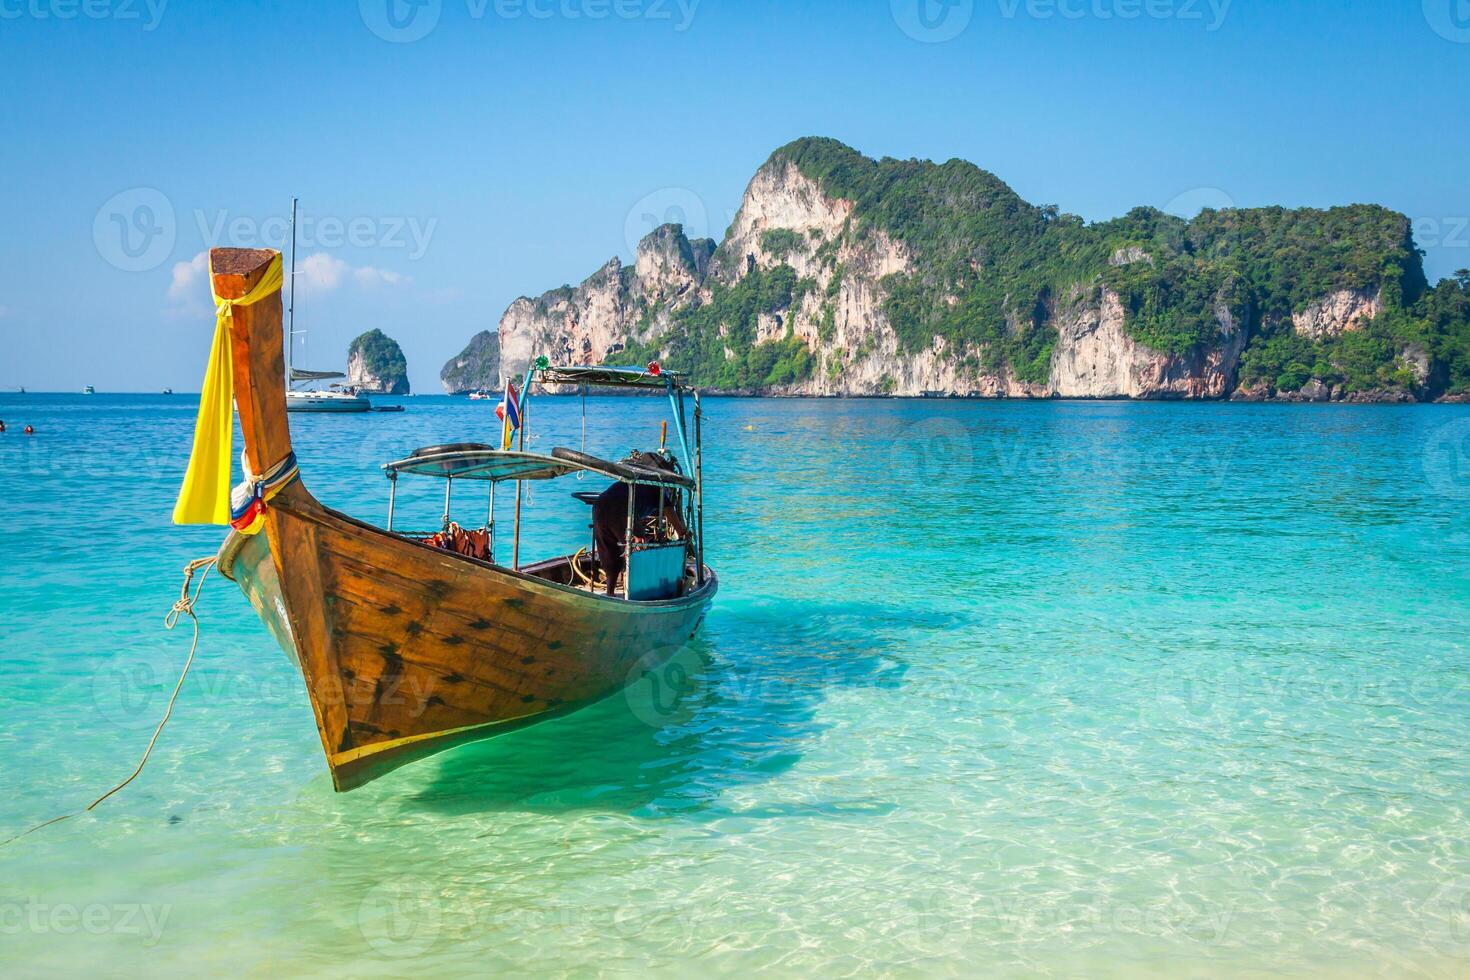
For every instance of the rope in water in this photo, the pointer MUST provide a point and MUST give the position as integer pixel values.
(183, 606)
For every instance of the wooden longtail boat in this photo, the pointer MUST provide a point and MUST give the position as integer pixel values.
(408, 649)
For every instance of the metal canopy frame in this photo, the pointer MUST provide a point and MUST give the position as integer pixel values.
(495, 466)
(608, 377)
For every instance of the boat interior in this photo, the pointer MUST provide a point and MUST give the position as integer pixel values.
(660, 564)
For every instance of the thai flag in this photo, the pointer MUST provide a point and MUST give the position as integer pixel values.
(509, 409)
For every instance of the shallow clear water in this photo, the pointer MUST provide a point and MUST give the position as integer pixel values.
(1059, 688)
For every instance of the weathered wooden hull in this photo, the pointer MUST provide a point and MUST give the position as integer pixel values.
(429, 649)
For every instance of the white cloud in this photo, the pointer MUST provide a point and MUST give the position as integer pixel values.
(325, 273)
(370, 276)
(320, 273)
(186, 283)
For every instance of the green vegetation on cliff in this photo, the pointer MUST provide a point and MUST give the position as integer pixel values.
(1434, 331)
(475, 367)
(729, 321)
(988, 266)
(376, 362)
(990, 271)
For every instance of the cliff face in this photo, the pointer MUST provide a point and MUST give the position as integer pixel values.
(828, 284)
(475, 367)
(1096, 358)
(590, 323)
(1338, 312)
(375, 364)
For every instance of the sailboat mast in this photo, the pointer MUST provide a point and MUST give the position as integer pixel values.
(291, 309)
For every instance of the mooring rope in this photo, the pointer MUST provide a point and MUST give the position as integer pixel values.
(183, 606)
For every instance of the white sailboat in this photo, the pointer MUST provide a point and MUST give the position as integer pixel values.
(313, 397)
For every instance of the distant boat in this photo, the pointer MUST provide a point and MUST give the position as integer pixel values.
(22, 390)
(327, 400)
(168, 391)
(480, 394)
(89, 390)
(335, 398)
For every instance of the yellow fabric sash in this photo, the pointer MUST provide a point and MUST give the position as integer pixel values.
(205, 496)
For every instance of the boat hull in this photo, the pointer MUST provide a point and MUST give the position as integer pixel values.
(406, 649)
(327, 403)
(419, 650)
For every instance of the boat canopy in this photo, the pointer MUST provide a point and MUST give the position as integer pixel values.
(476, 461)
(301, 374)
(612, 377)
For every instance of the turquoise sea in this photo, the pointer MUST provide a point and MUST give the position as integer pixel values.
(990, 688)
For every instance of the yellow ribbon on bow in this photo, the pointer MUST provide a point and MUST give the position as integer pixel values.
(205, 496)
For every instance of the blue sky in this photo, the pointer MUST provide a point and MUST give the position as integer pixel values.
(518, 144)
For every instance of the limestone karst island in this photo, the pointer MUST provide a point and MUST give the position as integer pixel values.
(844, 275)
